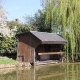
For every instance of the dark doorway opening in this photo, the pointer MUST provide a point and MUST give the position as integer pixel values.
(47, 52)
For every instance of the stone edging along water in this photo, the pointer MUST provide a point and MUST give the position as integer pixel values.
(19, 64)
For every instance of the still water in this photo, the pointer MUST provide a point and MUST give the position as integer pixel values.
(47, 72)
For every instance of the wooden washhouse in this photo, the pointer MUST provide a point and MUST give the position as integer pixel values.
(39, 46)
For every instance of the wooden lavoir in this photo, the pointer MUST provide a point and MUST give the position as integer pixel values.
(39, 46)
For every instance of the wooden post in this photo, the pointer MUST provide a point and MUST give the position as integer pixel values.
(34, 57)
(62, 58)
(17, 48)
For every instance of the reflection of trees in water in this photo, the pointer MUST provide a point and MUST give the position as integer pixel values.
(50, 72)
(72, 72)
(59, 72)
(47, 72)
(8, 76)
(19, 74)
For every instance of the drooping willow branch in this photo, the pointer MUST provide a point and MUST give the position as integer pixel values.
(66, 15)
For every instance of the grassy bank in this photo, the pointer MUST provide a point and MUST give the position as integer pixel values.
(6, 60)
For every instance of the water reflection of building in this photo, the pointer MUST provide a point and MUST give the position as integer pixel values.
(46, 72)
(25, 74)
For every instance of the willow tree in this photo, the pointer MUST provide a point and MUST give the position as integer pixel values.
(66, 15)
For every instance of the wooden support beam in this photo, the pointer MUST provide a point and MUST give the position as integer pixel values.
(50, 53)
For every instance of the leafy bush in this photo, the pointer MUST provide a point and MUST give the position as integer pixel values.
(8, 45)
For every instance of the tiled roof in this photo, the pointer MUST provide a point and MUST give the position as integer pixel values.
(46, 37)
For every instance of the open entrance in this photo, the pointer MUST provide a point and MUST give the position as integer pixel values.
(46, 52)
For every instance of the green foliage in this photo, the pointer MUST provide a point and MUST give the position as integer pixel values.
(38, 21)
(8, 45)
(66, 15)
(23, 29)
(20, 26)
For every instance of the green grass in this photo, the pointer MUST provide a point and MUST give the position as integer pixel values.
(6, 60)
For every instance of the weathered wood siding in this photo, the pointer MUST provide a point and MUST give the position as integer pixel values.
(26, 47)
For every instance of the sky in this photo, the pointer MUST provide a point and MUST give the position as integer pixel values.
(20, 8)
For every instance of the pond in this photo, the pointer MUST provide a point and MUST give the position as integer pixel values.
(47, 72)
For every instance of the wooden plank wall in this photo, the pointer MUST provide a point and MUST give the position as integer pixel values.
(26, 47)
(23, 47)
(34, 42)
